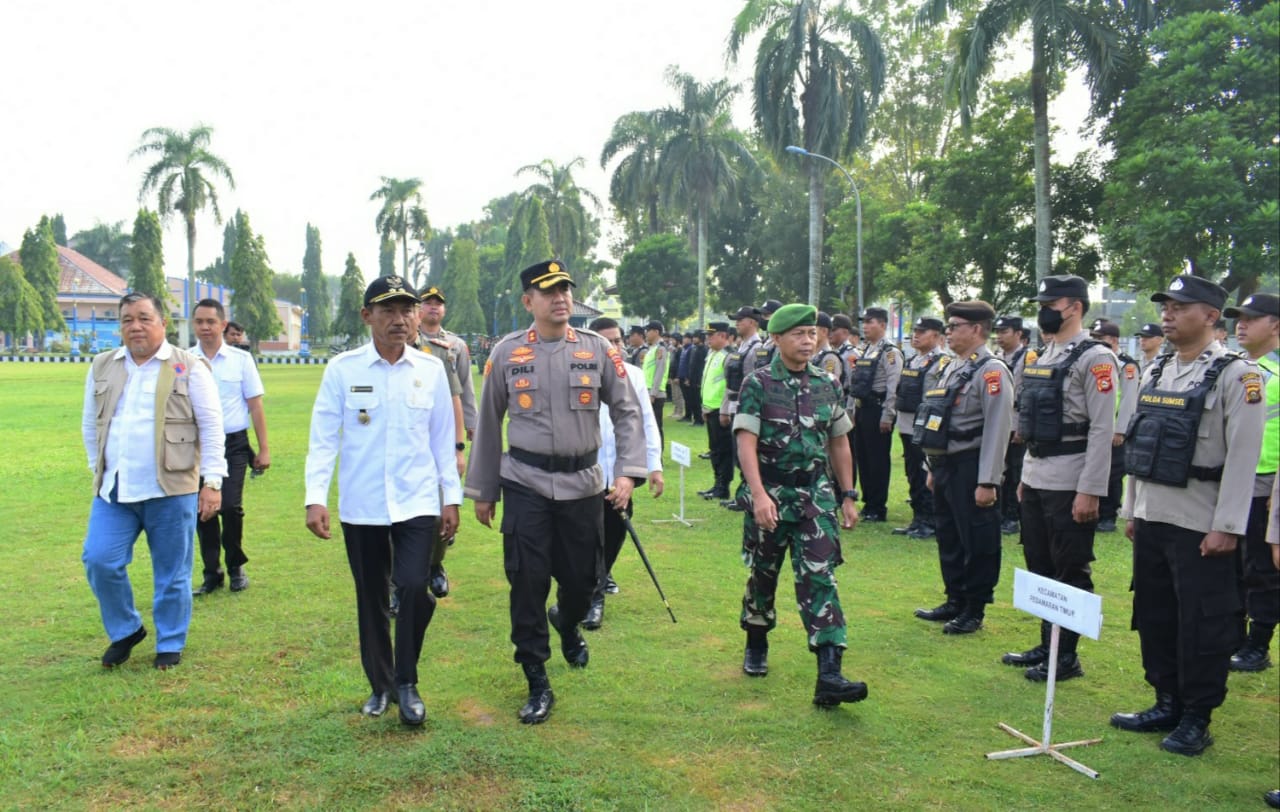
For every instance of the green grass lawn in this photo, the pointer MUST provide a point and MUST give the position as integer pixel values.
(264, 709)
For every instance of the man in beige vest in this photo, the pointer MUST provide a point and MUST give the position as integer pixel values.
(152, 427)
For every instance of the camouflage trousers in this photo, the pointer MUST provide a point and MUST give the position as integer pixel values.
(814, 545)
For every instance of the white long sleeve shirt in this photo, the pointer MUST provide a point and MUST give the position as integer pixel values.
(131, 435)
(652, 438)
(393, 426)
(238, 383)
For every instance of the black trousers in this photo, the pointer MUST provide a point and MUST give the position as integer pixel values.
(917, 479)
(1260, 580)
(720, 445)
(657, 417)
(1009, 507)
(370, 553)
(968, 536)
(872, 448)
(615, 535)
(1109, 505)
(1055, 546)
(693, 402)
(543, 539)
(1186, 608)
(230, 535)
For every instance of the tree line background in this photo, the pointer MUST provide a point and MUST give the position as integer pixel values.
(960, 193)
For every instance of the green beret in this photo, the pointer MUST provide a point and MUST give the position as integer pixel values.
(792, 315)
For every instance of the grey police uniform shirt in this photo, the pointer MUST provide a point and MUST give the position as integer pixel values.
(849, 352)
(1088, 393)
(1127, 382)
(888, 371)
(985, 402)
(1016, 367)
(747, 349)
(551, 391)
(1230, 435)
(460, 358)
(906, 420)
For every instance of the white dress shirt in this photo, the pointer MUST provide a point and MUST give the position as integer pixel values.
(652, 439)
(238, 381)
(131, 435)
(393, 425)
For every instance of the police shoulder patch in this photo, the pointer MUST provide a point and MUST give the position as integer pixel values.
(992, 379)
(1102, 376)
(1252, 387)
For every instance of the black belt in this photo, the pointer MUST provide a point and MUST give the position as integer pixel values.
(1057, 449)
(961, 436)
(1204, 474)
(939, 460)
(553, 464)
(789, 479)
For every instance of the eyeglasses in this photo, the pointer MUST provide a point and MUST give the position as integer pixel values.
(952, 325)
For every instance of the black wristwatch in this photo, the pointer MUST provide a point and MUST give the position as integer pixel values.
(460, 447)
(851, 495)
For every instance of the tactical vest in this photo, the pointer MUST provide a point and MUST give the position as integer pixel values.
(735, 368)
(932, 429)
(911, 385)
(1040, 407)
(1161, 440)
(864, 374)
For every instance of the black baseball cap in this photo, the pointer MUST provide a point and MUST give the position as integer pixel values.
(841, 321)
(1258, 304)
(545, 275)
(1052, 288)
(635, 330)
(1149, 330)
(1189, 288)
(824, 320)
(654, 325)
(388, 288)
(1009, 322)
(878, 313)
(928, 323)
(746, 312)
(1102, 327)
(769, 307)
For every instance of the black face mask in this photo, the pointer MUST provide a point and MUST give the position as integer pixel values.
(1050, 320)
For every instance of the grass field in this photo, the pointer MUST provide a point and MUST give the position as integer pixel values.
(263, 711)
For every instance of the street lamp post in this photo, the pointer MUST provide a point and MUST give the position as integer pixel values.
(857, 199)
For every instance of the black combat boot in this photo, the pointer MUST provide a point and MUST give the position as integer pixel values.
(1032, 656)
(572, 646)
(595, 615)
(1068, 668)
(832, 687)
(1164, 715)
(1253, 655)
(968, 621)
(1190, 737)
(945, 611)
(538, 708)
(755, 662)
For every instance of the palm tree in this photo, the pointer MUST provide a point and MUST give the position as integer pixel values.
(401, 215)
(1064, 33)
(703, 157)
(183, 178)
(633, 188)
(568, 222)
(818, 76)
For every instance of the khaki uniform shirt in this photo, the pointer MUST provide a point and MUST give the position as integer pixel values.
(551, 393)
(985, 402)
(1230, 435)
(460, 361)
(1088, 393)
(906, 420)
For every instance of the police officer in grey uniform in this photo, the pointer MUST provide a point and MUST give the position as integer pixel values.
(1016, 355)
(874, 386)
(963, 427)
(740, 362)
(919, 374)
(1108, 332)
(843, 338)
(1066, 416)
(826, 358)
(550, 380)
(1190, 453)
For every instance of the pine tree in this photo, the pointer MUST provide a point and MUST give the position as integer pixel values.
(20, 310)
(462, 284)
(318, 303)
(350, 302)
(146, 256)
(59, 230)
(39, 258)
(252, 297)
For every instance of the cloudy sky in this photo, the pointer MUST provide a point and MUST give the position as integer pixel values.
(312, 102)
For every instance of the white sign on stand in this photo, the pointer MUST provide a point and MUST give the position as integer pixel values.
(680, 455)
(1063, 606)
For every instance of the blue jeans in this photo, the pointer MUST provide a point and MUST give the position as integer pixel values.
(170, 524)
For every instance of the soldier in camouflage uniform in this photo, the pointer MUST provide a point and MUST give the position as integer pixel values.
(790, 420)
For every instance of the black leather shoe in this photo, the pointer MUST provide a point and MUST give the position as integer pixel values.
(610, 585)
(1032, 656)
(871, 516)
(1250, 658)
(541, 699)
(1010, 527)
(906, 531)
(118, 652)
(413, 711)
(731, 504)
(210, 583)
(965, 623)
(376, 704)
(595, 615)
(167, 659)
(239, 581)
(1164, 715)
(705, 455)
(572, 646)
(1272, 798)
(709, 493)
(1190, 738)
(755, 660)
(945, 611)
(439, 583)
(1068, 668)
(1106, 526)
(832, 688)
(924, 531)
